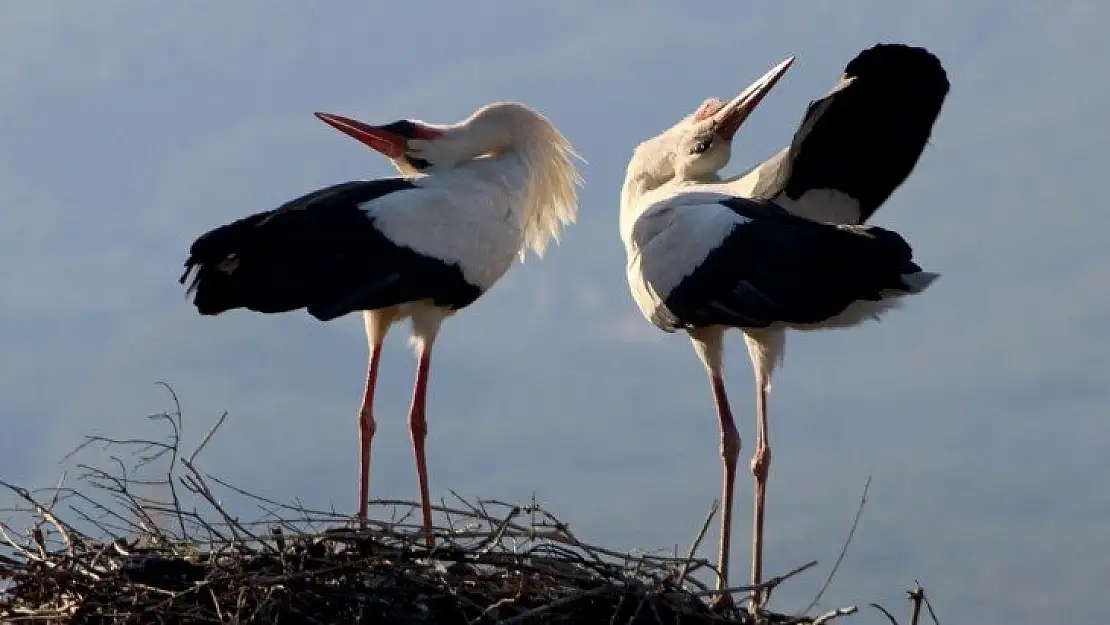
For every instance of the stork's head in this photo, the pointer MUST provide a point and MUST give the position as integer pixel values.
(704, 144)
(414, 147)
(700, 144)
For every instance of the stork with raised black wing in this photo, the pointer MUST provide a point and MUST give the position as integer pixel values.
(704, 258)
(475, 195)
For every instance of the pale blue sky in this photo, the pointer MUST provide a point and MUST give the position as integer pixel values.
(128, 128)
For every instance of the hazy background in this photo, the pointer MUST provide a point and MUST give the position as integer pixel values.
(128, 128)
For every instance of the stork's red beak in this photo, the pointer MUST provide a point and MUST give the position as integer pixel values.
(379, 139)
(736, 111)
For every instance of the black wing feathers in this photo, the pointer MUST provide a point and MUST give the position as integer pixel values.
(783, 268)
(321, 252)
(866, 138)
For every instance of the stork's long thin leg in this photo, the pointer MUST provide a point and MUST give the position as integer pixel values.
(366, 428)
(418, 429)
(707, 344)
(730, 451)
(761, 465)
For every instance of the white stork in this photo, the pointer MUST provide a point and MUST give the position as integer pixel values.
(705, 255)
(474, 196)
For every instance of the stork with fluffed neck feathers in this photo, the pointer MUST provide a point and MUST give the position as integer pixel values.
(473, 196)
(759, 252)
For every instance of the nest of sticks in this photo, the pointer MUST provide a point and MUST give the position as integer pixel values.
(109, 551)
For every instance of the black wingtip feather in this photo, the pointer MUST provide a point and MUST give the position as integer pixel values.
(260, 240)
(900, 62)
(909, 77)
(213, 289)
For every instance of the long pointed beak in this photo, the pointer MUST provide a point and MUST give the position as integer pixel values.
(378, 139)
(736, 111)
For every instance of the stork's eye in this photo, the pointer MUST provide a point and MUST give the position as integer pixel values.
(416, 162)
(701, 145)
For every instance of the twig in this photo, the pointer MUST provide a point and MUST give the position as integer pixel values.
(915, 596)
(25, 495)
(9, 541)
(495, 537)
(889, 616)
(769, 584)
(843, 548)
(697, 541)
(53, 520)
(493, 607)
(831, 614)
(57, 490)
(201, 488)
(207, 437)
(928, 604)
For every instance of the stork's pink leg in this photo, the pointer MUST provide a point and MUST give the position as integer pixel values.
(730, 451)
(366, 428)
(761, 464)
(418, 428)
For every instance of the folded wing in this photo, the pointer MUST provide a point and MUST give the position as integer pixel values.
(322, 252)
(773, 267)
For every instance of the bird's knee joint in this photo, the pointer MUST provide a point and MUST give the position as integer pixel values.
(761, 463)
(366, 422)
(730, 446)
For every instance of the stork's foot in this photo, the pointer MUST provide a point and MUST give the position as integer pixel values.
(722, 603)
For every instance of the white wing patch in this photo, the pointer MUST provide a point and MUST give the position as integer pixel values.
(828, 206)
(464, 226)
(670, 239)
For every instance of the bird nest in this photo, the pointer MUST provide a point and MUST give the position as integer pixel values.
(108, 551)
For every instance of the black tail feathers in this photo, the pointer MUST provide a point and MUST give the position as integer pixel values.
(894, 245)
(889, 259)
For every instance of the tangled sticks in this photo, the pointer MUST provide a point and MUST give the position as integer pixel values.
(128, 557)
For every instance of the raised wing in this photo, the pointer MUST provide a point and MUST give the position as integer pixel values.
(860, 142)
(323, 252)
